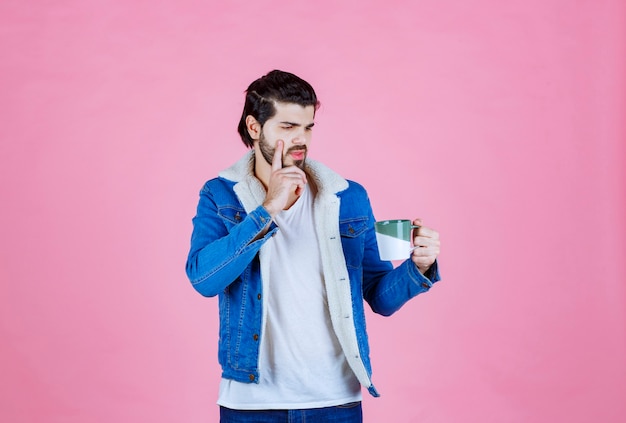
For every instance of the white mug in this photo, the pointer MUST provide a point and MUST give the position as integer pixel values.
(394, 238)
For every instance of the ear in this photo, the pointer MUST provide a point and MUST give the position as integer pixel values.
(254, 127)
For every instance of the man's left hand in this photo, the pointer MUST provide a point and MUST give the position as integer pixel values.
(426, 246)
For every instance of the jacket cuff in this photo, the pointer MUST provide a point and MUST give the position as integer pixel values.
(428, 279)
(261, 217)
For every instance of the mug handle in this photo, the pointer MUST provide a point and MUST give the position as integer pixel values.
(412, 246)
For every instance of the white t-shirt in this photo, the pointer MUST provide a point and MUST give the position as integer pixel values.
(301, 363)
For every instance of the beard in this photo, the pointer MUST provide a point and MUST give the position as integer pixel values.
(268, 151)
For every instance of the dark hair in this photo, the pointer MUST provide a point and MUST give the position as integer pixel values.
(276, 86)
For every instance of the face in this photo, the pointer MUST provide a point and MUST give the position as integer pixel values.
(293, 124)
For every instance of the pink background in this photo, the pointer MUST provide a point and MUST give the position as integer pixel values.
(501, 123)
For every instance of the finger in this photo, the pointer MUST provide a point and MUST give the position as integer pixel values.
(426, 232)
(424, 263)
(277, 160)
(430, 251)
(288, 183)
(295, 171)
(291, 173)
(422, 241)
(291, 178)
(424, 252)
(423, 260)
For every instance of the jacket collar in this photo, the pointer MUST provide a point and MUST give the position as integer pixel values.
(326, 180)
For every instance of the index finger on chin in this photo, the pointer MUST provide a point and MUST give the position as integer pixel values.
(277, 160)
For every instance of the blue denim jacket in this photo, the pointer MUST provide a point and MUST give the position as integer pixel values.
(226, 259)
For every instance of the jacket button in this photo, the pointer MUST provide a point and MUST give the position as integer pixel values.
(255, 337)
(258, 297)
(251, 378)
(425, 285)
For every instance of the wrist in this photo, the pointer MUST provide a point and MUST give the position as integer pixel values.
(271, 210)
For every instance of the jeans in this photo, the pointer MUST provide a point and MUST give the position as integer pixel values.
(346, 413)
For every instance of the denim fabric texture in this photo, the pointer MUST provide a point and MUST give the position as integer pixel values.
(222, 225)
(347, 413)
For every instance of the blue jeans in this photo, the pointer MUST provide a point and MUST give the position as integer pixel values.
(347, 413)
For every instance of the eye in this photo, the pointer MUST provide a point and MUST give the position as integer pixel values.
(287, 127)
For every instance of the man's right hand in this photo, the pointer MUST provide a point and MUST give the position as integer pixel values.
(286, 184)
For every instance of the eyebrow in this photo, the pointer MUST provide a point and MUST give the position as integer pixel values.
(310, 125)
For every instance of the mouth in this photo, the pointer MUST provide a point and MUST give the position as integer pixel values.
(297, 154)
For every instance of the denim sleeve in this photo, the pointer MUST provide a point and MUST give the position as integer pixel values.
(386, 289)
(399, 286)
(219, 255)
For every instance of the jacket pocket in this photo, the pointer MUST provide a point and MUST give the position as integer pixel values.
(352, 233)
(231, 215)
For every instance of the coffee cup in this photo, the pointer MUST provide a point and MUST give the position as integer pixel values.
(394, 238)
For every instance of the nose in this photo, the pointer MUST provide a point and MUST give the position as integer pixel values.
(300, 138)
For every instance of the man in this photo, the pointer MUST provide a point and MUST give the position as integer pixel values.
(289, 247)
